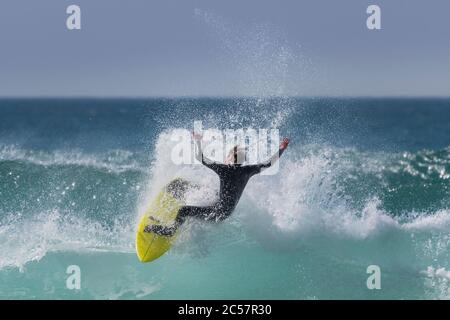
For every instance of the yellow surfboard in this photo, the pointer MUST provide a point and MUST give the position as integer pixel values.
(162, 211)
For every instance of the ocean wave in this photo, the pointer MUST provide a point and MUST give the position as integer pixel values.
(115, 161)
(29, 238)
(308, 205)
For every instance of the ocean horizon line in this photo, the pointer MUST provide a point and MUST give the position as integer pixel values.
(170, 97)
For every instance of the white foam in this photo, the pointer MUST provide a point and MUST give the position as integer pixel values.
(437, 282)
(439, 221)
(30, 238)
(433, 272)
(114, 161)
(304, 198)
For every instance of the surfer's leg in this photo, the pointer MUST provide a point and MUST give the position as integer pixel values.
(205, 213)
(194, 211)
(165, 231)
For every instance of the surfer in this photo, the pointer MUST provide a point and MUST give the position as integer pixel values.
(233, 179)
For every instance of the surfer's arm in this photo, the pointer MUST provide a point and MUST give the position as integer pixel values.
(274, 158)
(204, 160)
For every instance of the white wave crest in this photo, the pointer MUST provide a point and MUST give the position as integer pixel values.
(114, 161)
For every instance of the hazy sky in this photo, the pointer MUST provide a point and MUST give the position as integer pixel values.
(226, 47)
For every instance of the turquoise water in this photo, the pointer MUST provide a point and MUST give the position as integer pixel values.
(364, 182)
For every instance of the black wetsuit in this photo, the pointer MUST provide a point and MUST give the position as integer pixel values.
(233, 179)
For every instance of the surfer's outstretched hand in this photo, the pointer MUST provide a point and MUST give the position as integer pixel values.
(197, 136)
(284, 144)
